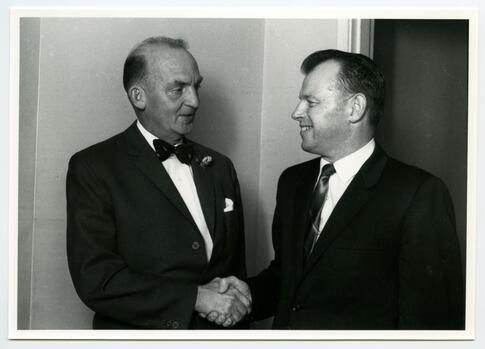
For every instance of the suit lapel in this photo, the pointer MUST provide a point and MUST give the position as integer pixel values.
(354, 198)
(349, 204)
(148, 163)
(205, 189)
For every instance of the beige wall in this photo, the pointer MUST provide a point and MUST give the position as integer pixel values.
(71, 97)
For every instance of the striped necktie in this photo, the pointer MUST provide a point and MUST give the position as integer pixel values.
(318, 199)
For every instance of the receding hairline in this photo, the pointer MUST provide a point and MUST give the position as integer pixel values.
(147, 49)
(158, 41)
(332, 56)
(336, 82)
(142, 55)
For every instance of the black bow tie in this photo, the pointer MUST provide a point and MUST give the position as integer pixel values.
(183, 151)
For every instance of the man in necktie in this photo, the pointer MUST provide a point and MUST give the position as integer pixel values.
(153, 218)
(361, 240)
(316, 206)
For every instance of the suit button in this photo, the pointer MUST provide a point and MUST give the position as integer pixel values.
(296, 307)
(175, 324)
(195, 245)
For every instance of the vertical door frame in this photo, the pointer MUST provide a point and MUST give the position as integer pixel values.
(356, 35)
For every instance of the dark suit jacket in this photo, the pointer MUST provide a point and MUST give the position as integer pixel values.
(135, 253)
(388, 257)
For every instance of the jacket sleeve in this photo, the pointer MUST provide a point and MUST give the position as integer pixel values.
(431, 292)
(265, 286)
(101, 277)
(242, 271)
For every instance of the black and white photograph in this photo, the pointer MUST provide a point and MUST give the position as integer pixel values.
(206, 175)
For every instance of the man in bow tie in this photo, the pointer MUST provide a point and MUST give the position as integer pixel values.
(361, 240)
(153, 219)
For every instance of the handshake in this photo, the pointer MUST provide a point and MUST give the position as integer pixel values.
(225, 301)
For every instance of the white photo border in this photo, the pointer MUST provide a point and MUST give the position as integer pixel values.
(245, 335)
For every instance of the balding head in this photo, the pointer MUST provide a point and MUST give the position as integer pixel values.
(162, 81)
(137, 63)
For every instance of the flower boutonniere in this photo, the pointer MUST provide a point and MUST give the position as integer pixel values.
(206, 161)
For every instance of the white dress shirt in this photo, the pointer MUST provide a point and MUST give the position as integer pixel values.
(183, 178)
(345, 170)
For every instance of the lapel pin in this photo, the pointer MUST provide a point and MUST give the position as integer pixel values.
(206, 161)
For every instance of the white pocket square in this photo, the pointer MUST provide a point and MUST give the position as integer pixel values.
(229, 205)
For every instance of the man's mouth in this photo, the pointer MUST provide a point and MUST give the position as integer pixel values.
(304, 128)
(188, 112)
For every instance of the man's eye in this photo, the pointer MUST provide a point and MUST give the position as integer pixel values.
(176, 91)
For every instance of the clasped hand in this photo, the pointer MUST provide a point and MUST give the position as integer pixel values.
(225, 301)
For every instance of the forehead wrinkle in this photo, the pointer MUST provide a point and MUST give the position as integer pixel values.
(181, 81)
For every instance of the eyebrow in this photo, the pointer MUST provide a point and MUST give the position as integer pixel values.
(181, 82)
(307, 96)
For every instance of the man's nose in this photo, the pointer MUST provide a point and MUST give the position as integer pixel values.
(299, 111)
(192, 98)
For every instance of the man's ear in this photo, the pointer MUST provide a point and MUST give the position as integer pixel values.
(137, 97)
(358, 105)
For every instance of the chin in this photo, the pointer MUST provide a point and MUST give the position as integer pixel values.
(184, 131)
(308, 147)
(313, 150)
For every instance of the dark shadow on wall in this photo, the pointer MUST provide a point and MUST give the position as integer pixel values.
(216, 126)
(425, 63)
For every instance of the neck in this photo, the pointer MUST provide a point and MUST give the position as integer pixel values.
(346, 149)
(170, 139)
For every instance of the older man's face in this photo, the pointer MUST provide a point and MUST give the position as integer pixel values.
(322, 112)
(172, 93)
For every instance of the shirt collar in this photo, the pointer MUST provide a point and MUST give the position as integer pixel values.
(146, 134)
(348, 166)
